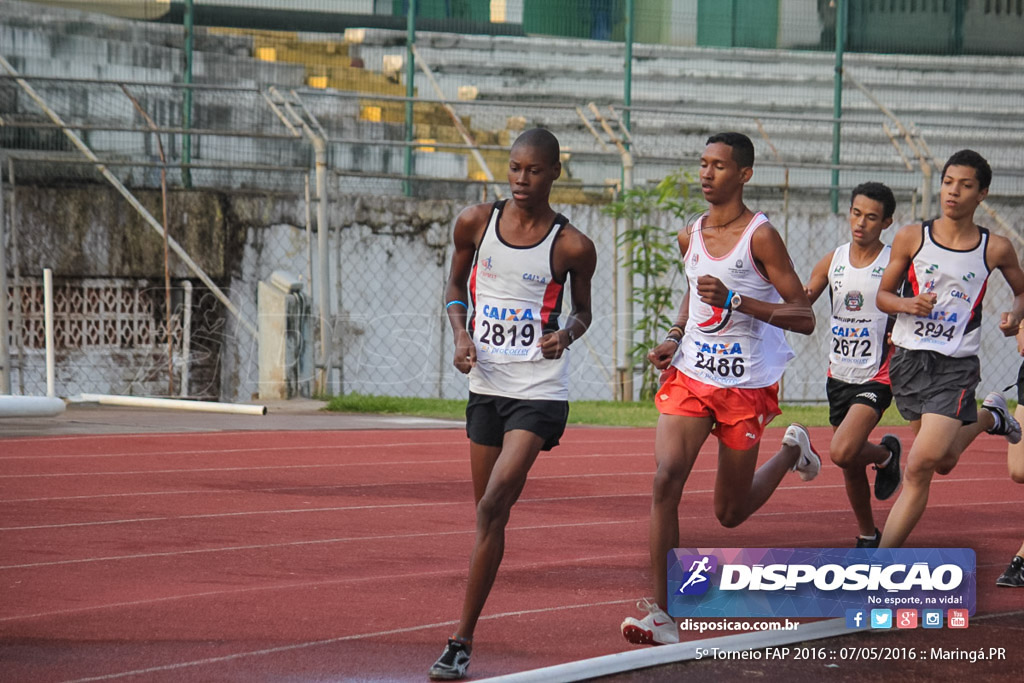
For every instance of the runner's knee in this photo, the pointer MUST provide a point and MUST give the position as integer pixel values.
(667, 486)
(495, 506)
(842, 454)
(729, 515)
(920, 473)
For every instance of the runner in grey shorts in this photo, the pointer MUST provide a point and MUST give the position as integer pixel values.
(929, 382)
(947, 263)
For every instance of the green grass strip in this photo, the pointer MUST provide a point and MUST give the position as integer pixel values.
(606, 413)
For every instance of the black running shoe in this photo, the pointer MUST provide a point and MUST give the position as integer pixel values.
(453, 662)
(1013, 577)
(870, 542)
(888, 478)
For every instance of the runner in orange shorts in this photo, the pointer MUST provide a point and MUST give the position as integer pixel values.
(721, 365)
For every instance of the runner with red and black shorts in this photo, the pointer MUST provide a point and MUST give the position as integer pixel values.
(858, 385)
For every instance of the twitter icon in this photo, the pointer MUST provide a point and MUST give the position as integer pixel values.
(881, 618)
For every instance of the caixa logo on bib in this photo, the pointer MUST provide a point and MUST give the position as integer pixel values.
(816, 582)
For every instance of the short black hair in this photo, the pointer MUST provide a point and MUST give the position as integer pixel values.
(880, 193)
(742, 147)
(968, 157)
(542, 139)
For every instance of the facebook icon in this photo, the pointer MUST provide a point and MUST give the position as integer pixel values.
(855, 618)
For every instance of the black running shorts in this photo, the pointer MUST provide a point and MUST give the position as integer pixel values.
(1020, 384)
(929, 382)
(489, 417)
(842, 395)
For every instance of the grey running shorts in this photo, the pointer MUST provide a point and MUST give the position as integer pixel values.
(929, 382)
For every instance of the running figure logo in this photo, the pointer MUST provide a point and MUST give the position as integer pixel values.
(697, 581)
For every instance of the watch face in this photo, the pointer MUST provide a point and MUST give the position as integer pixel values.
(735, 301)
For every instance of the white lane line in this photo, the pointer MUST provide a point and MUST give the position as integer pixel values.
(339, 639)
(298, 489)
(459, 572)
(189, 470)
(344, 508)
(377, 538)
(389, 506)
(303, 490)
(291, 544)
(198, 470)
(291, 448)
(349, 508)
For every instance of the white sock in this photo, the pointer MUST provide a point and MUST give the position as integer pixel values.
(884, 464)
(997, 419)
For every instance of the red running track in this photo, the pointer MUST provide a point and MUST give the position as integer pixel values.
(314, 556)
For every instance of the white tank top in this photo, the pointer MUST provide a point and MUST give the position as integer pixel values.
(722, 347)
(958, 279)
(515, 301)
(858, 351)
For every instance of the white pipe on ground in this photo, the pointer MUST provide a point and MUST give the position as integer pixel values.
(633, 660)
(30, 406)
(169, 403)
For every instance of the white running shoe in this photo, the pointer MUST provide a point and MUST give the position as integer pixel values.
(1007, 426)
(657, 628)
(809, 463)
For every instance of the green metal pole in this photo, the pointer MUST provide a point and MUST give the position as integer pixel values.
(837, 110)
(959, 10)
(627, 85)
(625, 364)
(186, 104)
(732, 24)
(410, 91)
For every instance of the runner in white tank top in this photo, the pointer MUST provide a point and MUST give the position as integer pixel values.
(858, 350)
(509, 264)
(935, 369)
(957, 278)
(516, 299)
(724, 347)
(857, 385)
(720, 368)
